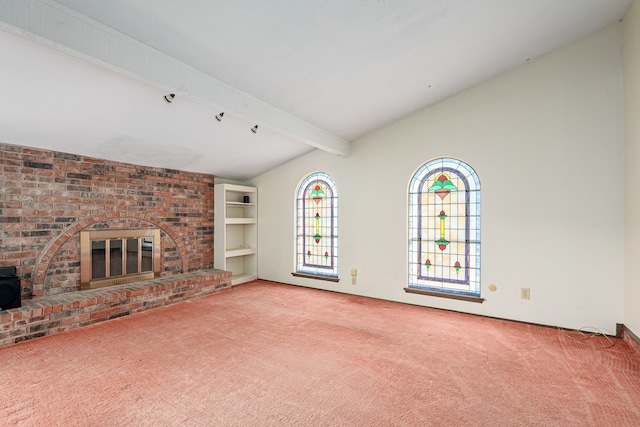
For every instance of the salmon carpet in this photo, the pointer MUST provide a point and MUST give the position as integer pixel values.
(266, 354)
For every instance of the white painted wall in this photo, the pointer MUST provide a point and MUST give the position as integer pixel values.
(631, 52)
(547, 143)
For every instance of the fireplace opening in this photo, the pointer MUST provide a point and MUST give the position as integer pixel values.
(112, 257)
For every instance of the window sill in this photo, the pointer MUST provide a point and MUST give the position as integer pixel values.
(313, 276)
(444, 295)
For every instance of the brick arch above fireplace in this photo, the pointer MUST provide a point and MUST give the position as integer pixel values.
(43, 263)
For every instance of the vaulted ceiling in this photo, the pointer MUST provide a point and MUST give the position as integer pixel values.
(89, 76)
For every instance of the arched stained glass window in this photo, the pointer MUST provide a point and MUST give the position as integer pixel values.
(444, 228)
(317, 226)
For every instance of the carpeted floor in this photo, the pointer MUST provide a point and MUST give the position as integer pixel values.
(264, 354)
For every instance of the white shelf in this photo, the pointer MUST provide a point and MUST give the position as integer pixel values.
(236, 231)
(240, 204)
(236, 279)
(230, 253)
(240, 221)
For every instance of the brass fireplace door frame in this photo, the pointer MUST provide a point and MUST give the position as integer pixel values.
(86, 237)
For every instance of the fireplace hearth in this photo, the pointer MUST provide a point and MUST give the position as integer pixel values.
(53, 314)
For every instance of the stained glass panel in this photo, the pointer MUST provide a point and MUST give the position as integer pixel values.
(444, 227)
(317, 226)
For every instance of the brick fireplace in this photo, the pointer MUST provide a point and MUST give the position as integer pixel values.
(48, 198)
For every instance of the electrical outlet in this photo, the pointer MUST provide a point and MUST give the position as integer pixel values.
(353, 280)
(525, 293)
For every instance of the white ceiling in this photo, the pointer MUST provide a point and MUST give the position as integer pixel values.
(311, 74)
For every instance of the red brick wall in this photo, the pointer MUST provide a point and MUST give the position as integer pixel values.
(47, 197)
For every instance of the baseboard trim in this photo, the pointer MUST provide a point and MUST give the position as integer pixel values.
(522, 322)
(629, 337)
